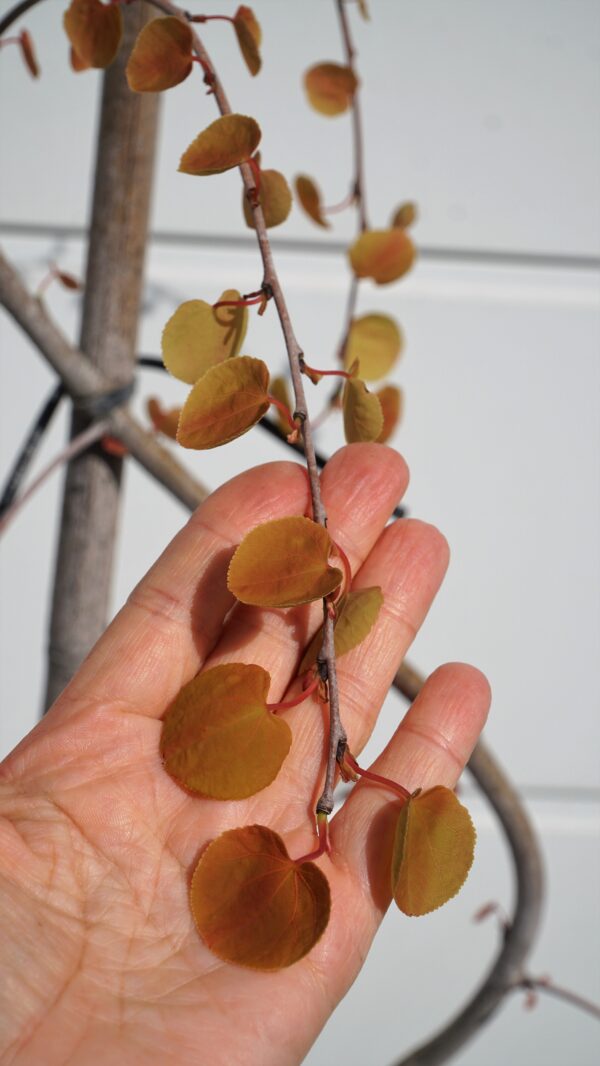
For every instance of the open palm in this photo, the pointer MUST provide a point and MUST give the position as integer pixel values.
(101, 962)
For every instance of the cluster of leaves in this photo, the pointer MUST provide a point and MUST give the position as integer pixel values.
(254, 904)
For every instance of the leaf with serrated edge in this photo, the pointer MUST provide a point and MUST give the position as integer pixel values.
(330, 88)
(391, 399)
(433, 851)
(94, 30)
(227, 401)
(249, 35)
(275, 199)
(382, 254)
(356, 616)
(198, 336)
(283, 563)
(227, 142)
(255, 906)
(376, 341)
(363, 417)
(161, 57)
(219, 738)
(309, 198)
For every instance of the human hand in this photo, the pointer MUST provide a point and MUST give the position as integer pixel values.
(101, 962)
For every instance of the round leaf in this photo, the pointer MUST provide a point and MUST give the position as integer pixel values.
(356, 616)
(363, 417)
(199, 336)
(275, 199)
(164, 421)
(309, 198)
(219, 738)
(230, 399)
(330, 88)
(405, 215)
(383, 255)
(283, 563)
(255, 906)
(391, 399)
(161, 56)
(376, 341)
(94, 30)
(226, 143)
(433, 851)
(249, 35)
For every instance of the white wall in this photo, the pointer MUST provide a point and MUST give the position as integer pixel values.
(486, 114)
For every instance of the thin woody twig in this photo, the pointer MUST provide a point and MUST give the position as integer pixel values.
(15, 13)
(544, 984)
(76, 446)
(337, 736)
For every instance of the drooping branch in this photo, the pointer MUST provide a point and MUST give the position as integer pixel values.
(271, 283)
(508, 968)
(80, 379)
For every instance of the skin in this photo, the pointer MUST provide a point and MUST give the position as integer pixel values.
(101, 961)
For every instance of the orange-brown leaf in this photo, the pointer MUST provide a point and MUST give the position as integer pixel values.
(219, 737)
(363, 417)
(255, 906)
(198, 336)
(283, 563)
(227, 142)
(249, 35)
(433, 850)
(164, 421)
(330, 88)
(309, 197)
(275, 199)
(28, 53)
(376, 341)
(227, 401)
(161, 56)
(356, 616)
(77, 63)
(94, 30)
(391, 399)
(383, 255)
(405, 215)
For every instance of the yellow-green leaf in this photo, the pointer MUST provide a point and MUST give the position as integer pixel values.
(94, 30)
(279, 389)
(227, 142)
(363, 417)
(255, 906)
(362, 7)
(356, 616)
(164, 421)
(376, 341)
(283, 563)
(227, 401)
(275, 199)
(199, 336)
(161, 56)
(433, 850)
(405, 215)
(391, 399)
(308, 195)
(383, 255)
(330, 88)
(219, 737)
(249, 35)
